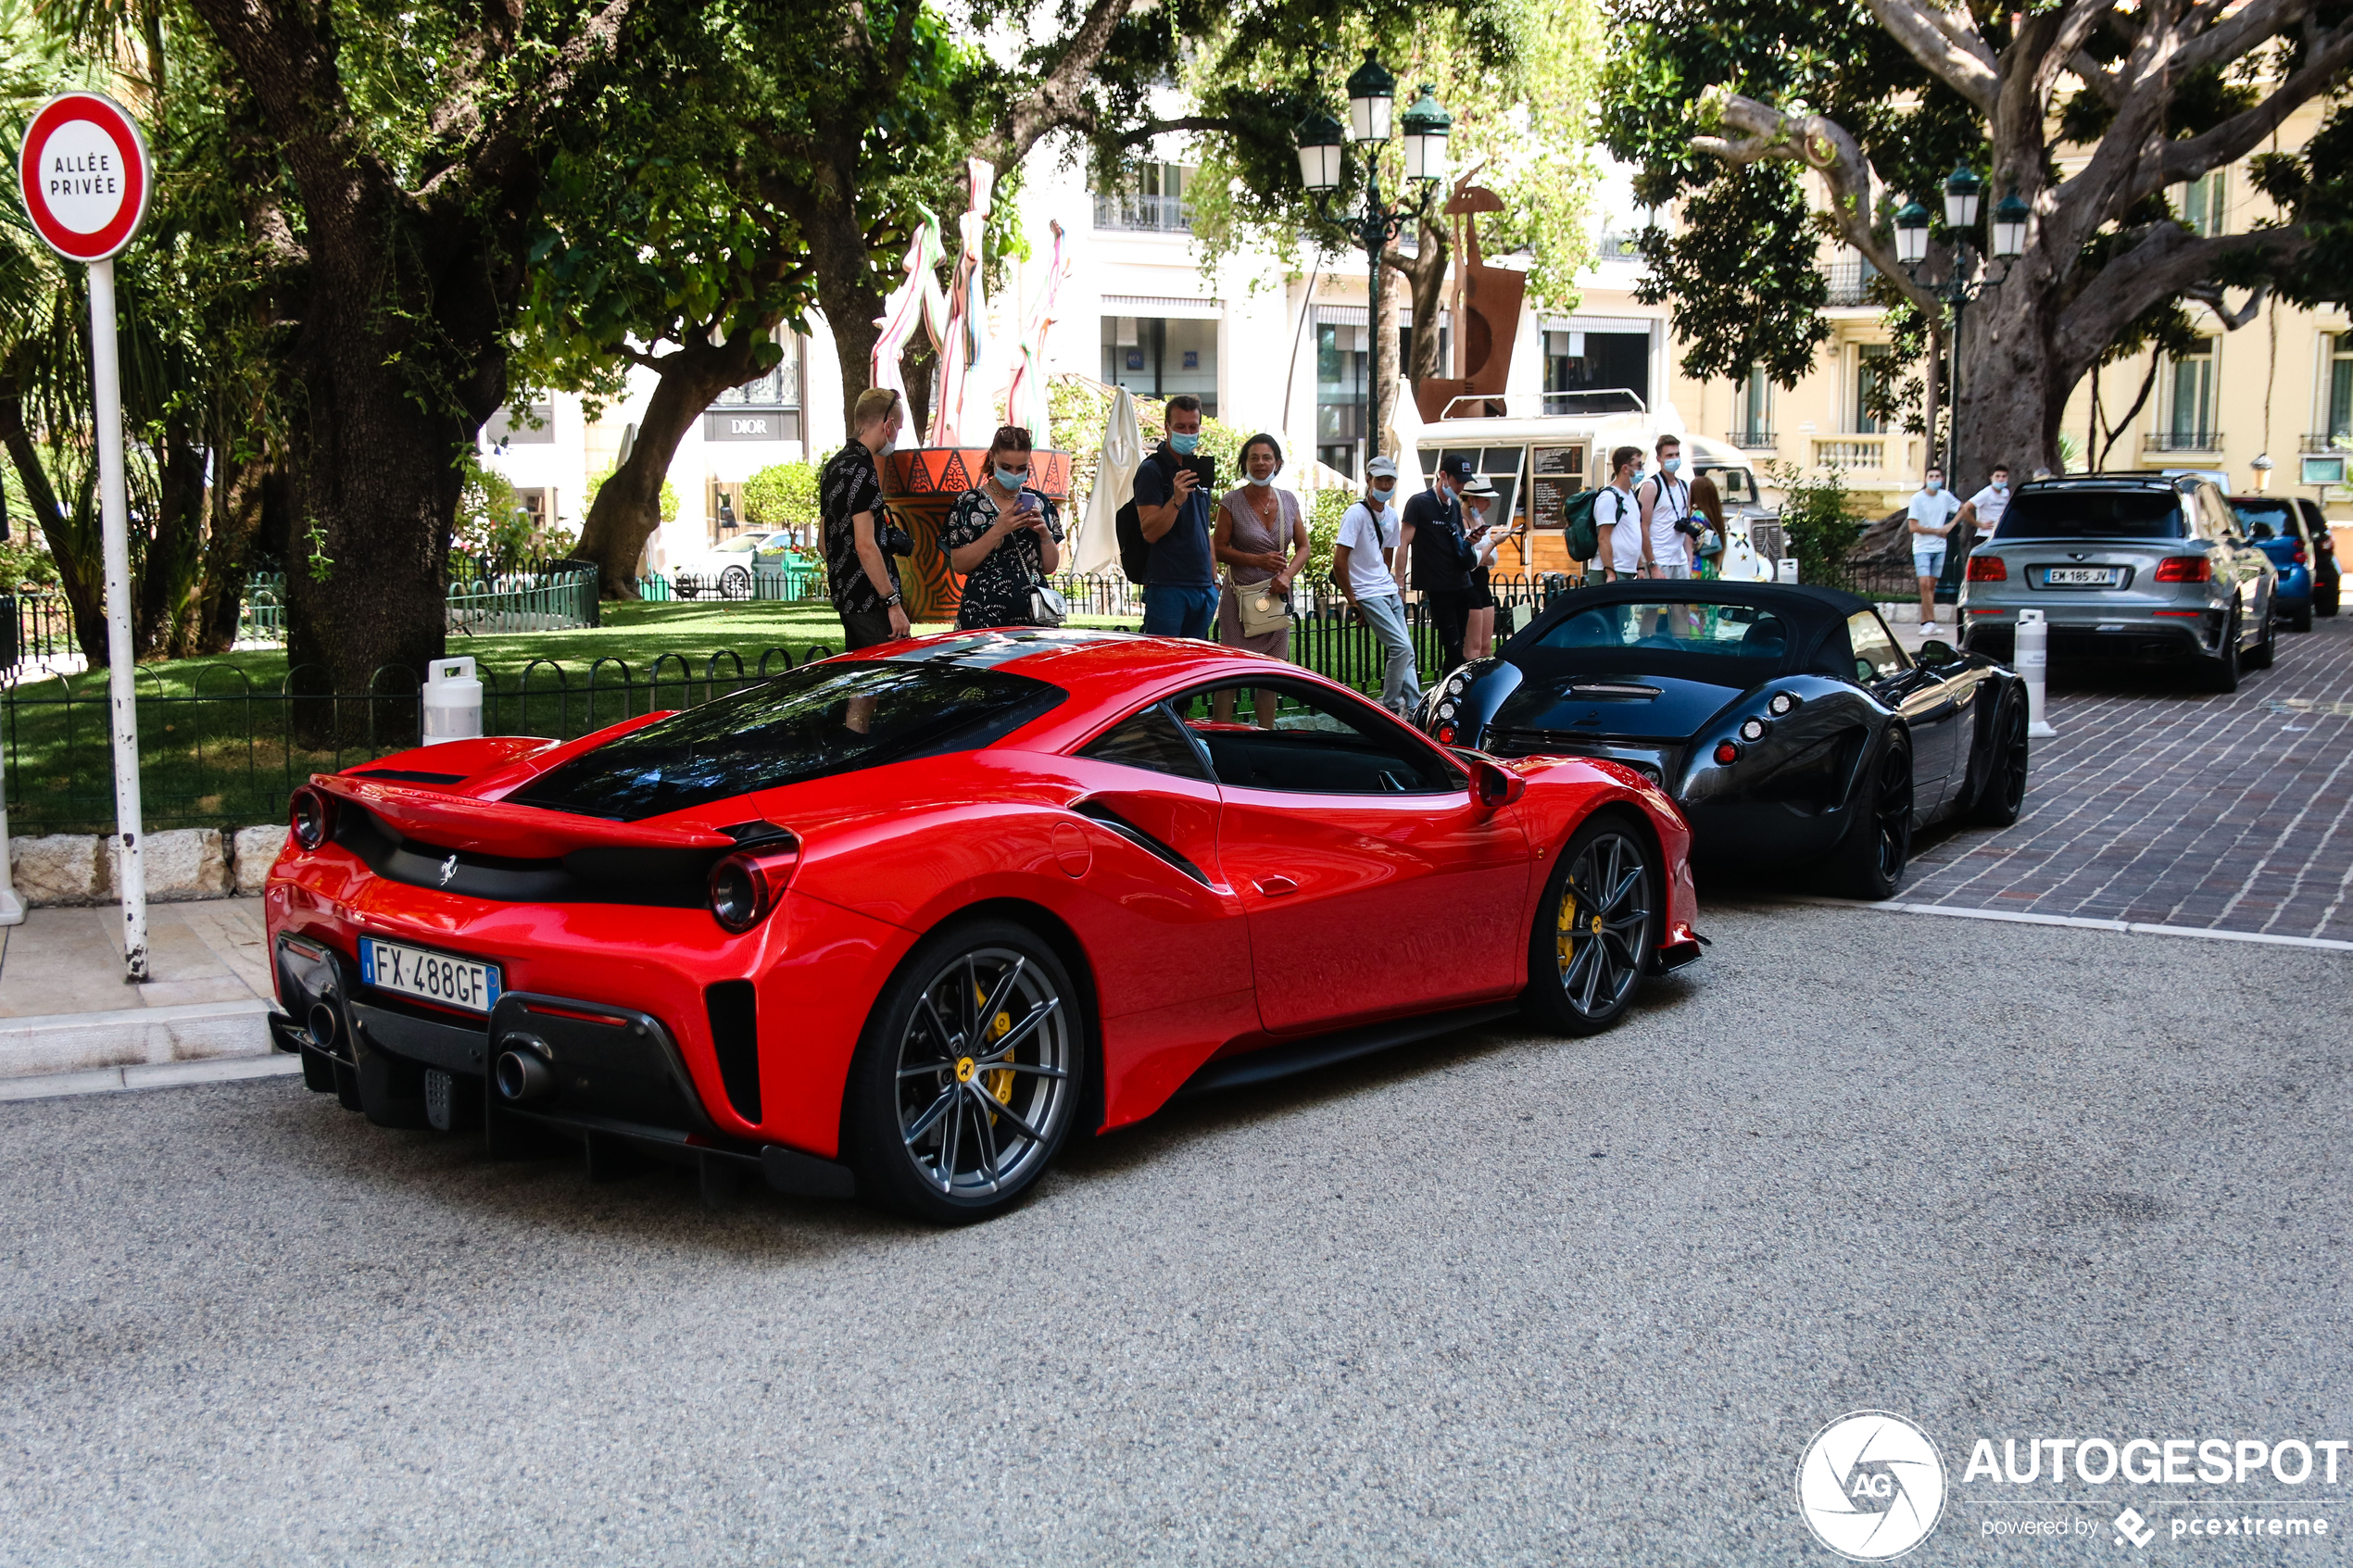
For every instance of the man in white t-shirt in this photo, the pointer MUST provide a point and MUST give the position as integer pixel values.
(1980, 514)
(1665, 501)
(1618, 520)
(1930, 515)
(1364, 566)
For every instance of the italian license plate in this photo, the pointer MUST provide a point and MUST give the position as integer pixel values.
(2081, 576)
(433, 977)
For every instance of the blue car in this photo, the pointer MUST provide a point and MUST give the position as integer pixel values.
(2275, 526)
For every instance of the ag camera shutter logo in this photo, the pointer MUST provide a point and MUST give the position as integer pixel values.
(1870, 1485)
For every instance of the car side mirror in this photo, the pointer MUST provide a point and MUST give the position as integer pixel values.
(1935, 653)
(1494, 785)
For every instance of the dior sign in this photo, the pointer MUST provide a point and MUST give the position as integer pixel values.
(751, 424)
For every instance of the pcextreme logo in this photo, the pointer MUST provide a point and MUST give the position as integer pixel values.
(1870, 1485)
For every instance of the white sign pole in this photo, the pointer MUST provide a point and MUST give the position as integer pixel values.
(130, 860)
(85, 177)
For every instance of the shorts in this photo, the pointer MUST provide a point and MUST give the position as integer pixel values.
(864, 628)
(1482, 595)
(1928, 563)
(1676, 570)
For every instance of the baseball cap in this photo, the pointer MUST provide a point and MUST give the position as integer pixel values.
(1381, 468)
(1460, 468)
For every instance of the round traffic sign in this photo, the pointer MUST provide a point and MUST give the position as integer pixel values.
(84, 175)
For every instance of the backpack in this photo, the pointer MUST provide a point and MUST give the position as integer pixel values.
(1584, 533)
(1135, 550)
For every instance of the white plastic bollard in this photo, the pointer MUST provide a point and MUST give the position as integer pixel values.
(453, 701)
(2034, 656)
(1786, 570)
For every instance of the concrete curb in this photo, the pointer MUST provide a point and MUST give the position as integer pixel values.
(132, 1037)
(156, 1075)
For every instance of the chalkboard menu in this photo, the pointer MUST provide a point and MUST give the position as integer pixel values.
(1560, 473)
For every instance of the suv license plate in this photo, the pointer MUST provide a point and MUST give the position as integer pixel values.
(2080, 576)
(434, 977)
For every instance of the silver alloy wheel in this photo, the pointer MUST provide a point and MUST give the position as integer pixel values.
(1603, 923)
(982, 1073)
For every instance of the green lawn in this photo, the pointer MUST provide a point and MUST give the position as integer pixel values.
(217, 746)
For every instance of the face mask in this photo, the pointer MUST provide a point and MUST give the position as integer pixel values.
(1671, 465)
(1383, 486)
(1012, 481)
(1255, 480)
(2001, 487)
(1183, 445)
(1933, 485)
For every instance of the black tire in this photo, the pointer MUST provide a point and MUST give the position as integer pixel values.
(1597, 928)
(2260, 655)
(1870, 859)
(2302, 620)
(2004, 795)
(916, 1070)
(2222, 669)
(735, 583)
(2324, 599)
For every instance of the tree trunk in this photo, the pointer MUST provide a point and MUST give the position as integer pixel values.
(236, 506)
(628, 509)
(2013, 391)
(167, 573)
(85, 593)
(846, 292)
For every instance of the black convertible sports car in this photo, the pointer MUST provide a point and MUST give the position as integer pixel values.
(1786, 721)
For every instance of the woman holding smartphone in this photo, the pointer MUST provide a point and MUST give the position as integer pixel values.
(1003, 539)
(1479, 499)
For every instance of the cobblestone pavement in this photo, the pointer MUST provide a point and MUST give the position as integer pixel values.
(2179, 808)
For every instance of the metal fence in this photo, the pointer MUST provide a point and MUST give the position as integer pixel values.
(226, 751)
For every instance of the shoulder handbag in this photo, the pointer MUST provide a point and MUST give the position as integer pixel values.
(1047, 606)
(1260, 606)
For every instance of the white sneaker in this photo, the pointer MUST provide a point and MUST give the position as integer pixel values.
(1928, 628)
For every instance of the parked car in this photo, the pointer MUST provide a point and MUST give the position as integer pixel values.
(2142, 569)
(1785, 721)
(726, 566)
(900, 922)
(2275, 525)
(2326, 570)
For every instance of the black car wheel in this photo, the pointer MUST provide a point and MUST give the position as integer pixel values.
(2260, 656)
(1871, 857)
(970, 1076)
(1595, 929)
(735, 583)
(2222, 669)
(2301, 619)
(2004, 795)
(2324, 599)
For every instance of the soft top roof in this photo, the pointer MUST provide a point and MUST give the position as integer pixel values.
(1817, 619)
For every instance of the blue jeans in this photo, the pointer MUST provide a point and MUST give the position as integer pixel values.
(1179, 612)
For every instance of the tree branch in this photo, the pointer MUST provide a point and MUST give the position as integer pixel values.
(1151, 128)
(1822, 145)
(1948, 45)
(2239, 134)
(1060, 98)
(2169, 261)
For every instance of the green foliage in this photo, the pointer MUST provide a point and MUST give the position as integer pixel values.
(1326, 510)
(1741, 273)
(1081, 409)
(782, 495)
(1818, 517)
(25, 565)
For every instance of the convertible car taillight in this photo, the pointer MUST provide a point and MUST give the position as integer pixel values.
(1726, 753)
(2185, 568)
(310, 815)
(744, 886)
(1988, 569)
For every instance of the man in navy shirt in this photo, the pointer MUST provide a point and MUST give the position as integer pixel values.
(1443, 556)
(1180, 588)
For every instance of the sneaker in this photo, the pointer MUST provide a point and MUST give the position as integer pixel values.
(1928, 628)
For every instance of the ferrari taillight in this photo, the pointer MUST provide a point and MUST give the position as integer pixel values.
(1726, 753)
(1445, 735)
(2185, 568)
(1988, 569)
(744, 887)
(310, 816)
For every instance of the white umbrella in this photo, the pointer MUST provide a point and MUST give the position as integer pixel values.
(1405, 430)
(1114, 483)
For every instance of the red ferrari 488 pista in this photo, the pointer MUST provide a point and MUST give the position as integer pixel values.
(898, 922)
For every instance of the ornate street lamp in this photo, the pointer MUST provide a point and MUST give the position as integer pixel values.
(1372, 93)
(2010, 218)
(1962, 192)
(1427, 126)
(1911, 234)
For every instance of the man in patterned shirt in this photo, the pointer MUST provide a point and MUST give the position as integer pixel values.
(860, 566)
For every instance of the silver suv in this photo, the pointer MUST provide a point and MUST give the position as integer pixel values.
(2137, 568)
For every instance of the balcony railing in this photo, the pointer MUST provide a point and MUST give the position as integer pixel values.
(1752, 440)
(2182, 440)
(2342, 441)
(1852, 452)
(1154, 215)
(1850, 281)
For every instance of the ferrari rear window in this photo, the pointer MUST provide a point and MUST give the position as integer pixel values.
(813, 722)
(2094, 514)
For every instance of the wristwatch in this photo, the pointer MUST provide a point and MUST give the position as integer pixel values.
(892, 602)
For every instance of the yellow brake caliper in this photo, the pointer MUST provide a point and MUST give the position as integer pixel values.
(998, 1081)
(1565, 941)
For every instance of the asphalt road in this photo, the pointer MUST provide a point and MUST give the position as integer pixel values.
(1493, 1300)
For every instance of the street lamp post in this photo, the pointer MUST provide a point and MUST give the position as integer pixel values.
(1964, 192)
(1372, 95)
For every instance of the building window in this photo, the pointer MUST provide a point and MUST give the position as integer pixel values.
(2202, 208)
(1752, 409)
(2340, 387)
(1595, 372)
(1154, 202)
(2189, 425)
(1343, 362)
(1874, 365)
(1848, 278)
(1161, 356)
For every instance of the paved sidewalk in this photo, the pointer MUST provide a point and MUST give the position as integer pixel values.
(2177, 807)
(69, 1022)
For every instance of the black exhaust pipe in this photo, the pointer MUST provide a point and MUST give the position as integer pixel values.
(324, 1023)
(523, 1074)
